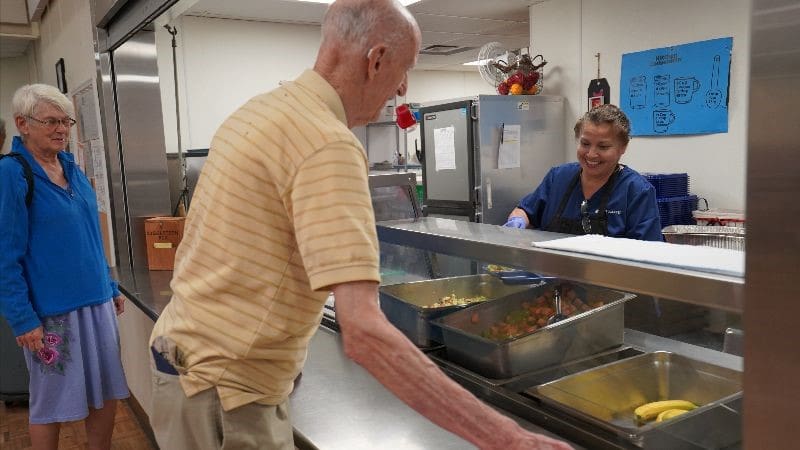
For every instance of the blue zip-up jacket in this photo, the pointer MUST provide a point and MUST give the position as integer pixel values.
(51, 253)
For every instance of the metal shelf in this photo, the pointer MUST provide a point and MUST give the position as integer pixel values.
(510, 246)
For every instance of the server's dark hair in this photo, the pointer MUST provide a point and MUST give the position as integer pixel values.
(607, 114)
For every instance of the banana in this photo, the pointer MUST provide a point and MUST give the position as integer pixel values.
(651, 410)
(669, 414)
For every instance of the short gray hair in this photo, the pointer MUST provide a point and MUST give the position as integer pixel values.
(360, 24)
(607, 114)
(28, 97)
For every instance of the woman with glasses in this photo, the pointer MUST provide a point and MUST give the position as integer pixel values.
(55, 287)
(597, 194)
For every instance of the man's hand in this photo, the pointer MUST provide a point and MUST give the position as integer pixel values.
(32, 340)
(119, 304)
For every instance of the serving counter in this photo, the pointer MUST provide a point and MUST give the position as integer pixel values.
(336, 404)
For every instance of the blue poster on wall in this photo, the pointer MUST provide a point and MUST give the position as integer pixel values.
(677, 90)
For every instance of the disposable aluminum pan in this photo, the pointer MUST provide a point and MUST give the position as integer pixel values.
(711, 236)
(406, 305)
(579, 336)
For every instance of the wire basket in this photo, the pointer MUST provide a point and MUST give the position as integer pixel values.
(525, 78)
(711, 236)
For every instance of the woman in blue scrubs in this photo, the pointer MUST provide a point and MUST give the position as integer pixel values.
(597, 194)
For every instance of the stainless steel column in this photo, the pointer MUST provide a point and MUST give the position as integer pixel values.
(143, 157)
(772, 296)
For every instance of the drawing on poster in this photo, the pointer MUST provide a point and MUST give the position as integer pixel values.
(677, 90)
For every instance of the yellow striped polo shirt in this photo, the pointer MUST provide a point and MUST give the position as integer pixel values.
(281, 212)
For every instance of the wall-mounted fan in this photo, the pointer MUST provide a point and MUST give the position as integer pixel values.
(511, 71)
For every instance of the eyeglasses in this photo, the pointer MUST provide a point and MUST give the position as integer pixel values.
(51, 123)
(585, 222)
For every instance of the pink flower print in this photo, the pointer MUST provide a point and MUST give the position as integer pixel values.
(51, 339)
(48, 355)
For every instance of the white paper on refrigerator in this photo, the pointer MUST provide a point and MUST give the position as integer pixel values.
(444, 143)
(508, 156)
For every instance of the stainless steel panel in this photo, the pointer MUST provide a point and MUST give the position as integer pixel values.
(408, 305)
(607, 395)
(104, 10)
(110, 127)
(512, 247)
(141, 135)
(123, 19)
(578, 336)
(541, 147)
(448, 185)
(773, 236)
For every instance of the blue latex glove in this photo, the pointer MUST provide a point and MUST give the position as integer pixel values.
(515, 222)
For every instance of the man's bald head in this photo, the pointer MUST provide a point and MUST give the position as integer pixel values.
(358, 25)
(368, 47)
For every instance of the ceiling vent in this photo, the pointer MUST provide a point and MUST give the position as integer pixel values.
(444, 50)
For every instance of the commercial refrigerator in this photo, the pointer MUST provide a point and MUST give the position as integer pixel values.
(481, 155)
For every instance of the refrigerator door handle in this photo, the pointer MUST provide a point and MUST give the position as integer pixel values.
(473, 111)
(488, 193)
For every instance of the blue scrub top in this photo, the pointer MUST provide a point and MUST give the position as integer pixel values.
(632, 208)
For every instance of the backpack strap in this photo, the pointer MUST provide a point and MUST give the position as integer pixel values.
(27, 172)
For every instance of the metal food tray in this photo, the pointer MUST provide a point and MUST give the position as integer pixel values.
(607, 395)
(405, 304)
(711, 236)
(576, 337)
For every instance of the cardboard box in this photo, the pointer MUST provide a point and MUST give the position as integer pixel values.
(163, 234)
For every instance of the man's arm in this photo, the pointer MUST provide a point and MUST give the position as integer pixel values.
(372, 342)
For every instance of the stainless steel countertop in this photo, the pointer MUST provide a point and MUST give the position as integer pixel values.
(511, 246)
(336, 404)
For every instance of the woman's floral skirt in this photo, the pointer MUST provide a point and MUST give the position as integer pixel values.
(78, 368)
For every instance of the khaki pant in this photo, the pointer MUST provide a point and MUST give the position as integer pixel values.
(200, 423)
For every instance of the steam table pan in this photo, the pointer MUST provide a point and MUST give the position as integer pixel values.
(406, 305)
(607, 395)
(579, 336)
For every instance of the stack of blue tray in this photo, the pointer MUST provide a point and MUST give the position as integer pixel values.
(677, 210)
(675, 204)
(669, 184)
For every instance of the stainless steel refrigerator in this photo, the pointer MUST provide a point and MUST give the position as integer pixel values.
(481, 155)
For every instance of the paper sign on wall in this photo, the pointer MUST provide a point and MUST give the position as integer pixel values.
(444, 143)
(508, 156)
(677, 90)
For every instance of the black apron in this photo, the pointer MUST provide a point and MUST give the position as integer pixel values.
(598, 223)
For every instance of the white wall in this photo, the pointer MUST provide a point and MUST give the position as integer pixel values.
(569, 33)
(14, 72)
(222, 63)
(66, 32)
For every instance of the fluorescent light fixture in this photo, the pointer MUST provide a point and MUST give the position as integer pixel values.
(404, 2)
(479, 62)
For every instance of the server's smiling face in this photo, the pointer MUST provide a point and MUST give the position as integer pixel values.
(599, 149)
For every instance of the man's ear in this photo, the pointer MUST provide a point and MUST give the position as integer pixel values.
(375, 58)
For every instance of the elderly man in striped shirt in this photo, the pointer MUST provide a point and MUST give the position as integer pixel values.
(280, 217)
